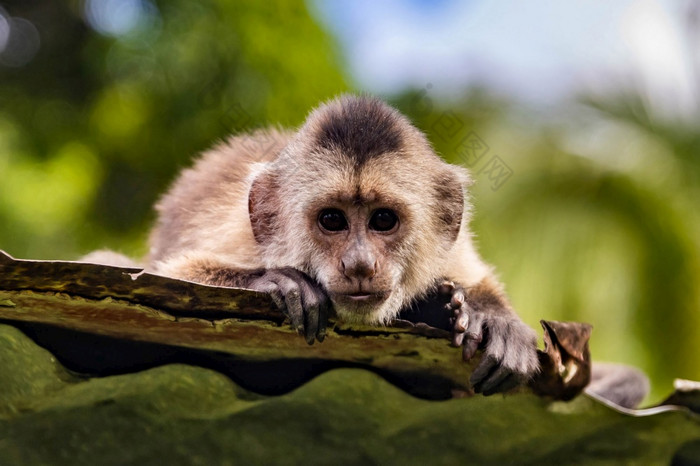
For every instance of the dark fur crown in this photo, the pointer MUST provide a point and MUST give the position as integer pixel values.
(360, 126)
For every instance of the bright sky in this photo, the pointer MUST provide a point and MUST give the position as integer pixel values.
(538, 50)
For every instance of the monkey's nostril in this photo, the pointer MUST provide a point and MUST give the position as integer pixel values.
(372, 271)
(347, 273)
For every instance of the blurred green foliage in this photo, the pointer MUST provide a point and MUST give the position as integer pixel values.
(93, 129)
(590, 217)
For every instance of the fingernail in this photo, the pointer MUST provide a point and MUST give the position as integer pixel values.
(463, 321)
(446, 287)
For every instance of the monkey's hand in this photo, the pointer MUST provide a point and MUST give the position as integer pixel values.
(299, 297)
(509, 345)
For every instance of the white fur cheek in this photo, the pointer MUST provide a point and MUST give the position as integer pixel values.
(319, 267)
(324, 276)
(290, 250)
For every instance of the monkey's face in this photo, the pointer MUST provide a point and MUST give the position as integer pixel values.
(374, 236)
(358, 254)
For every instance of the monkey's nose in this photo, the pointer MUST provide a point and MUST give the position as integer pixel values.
(362, 270)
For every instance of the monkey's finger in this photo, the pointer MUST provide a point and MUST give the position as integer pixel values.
(473, 336)
(457, 338)
(311, 319)
(457, 298)
(295, 309)
(309, 305)
(271, 289)
(311, 312)
(461, 321)
(509, 383)
(278, 299)
(485, 368)
(493, 380)
(469, 347)
(325, 311)
(446, 287)
(292, 297)
(459, 325)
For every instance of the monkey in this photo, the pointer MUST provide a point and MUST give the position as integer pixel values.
(353, 215)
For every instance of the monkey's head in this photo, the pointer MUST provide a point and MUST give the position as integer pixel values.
(360, 202)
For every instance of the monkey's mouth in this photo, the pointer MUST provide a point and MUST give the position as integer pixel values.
(361, 298)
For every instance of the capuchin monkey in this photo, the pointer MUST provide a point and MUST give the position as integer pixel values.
(353, 215)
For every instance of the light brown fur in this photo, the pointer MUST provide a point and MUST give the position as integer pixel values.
(204, 220)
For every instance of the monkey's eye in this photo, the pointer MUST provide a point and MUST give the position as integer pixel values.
(332, 220)
(383, 220)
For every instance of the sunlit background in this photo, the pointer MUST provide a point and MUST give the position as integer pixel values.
(579, 120)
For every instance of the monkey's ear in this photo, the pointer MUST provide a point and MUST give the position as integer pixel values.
(263, 207)
(450, 191)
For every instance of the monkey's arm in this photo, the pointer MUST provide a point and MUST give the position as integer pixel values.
(294, 293)
(483, 319)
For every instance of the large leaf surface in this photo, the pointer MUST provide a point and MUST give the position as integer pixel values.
(179, 414)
